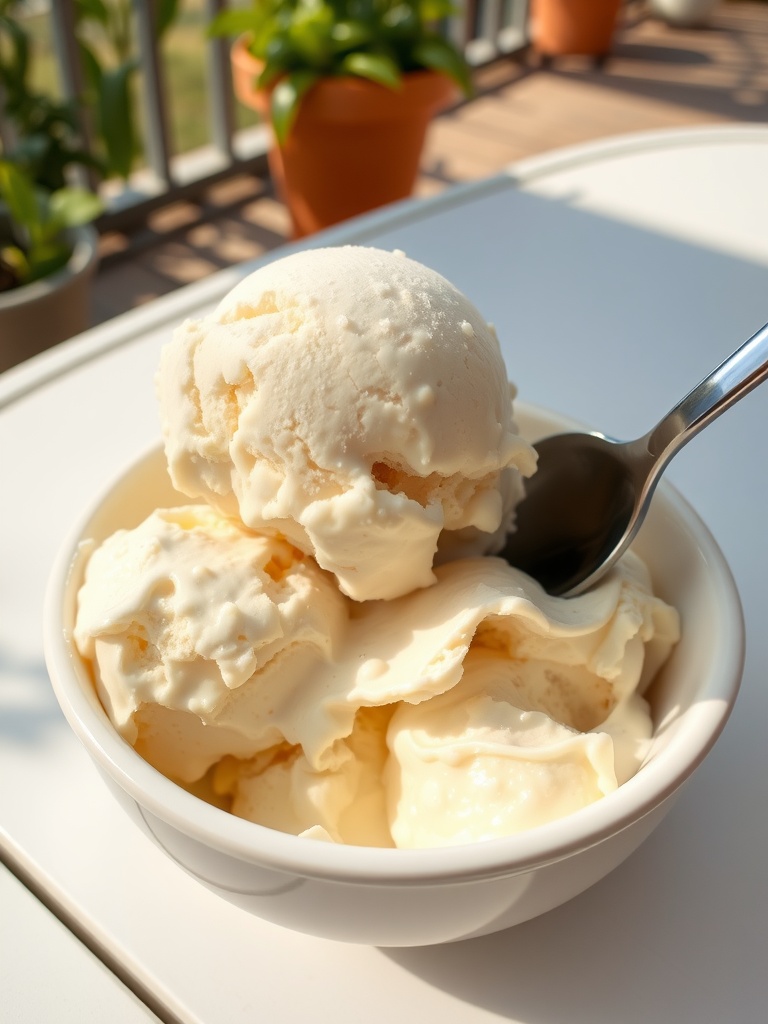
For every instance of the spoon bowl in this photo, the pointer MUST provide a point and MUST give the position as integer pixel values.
(589, 495)
(583, 522)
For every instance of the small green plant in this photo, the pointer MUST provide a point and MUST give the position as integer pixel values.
(106, 38)
(37, 203)
(33, 243)
(301, 41)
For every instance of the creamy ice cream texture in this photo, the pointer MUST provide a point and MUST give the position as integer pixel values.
(486, 708)
(325, 425)
(181, 613)
(357, 403)
(476, 707)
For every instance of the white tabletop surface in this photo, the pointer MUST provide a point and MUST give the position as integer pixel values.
(617, 275)
(47, 975)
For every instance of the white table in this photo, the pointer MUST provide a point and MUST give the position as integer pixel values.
(617, 275)
(46, 974)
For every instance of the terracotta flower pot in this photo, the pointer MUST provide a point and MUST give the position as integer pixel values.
(573, 26)
(37, 316)
(355, 145)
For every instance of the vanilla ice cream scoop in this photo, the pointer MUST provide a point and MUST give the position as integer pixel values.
(353, 401)
(343, 803)
(199, 631)
(472, 764)
(478, 707)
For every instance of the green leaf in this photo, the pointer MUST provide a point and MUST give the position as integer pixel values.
(46, 259)
(435, 10)
(70, 207)
(94, 9)
(261, 38)
(13, 71)
(286, 99)
(91, 67)
(116, 118)
(375, 66)
(235, 23)
(350, 35)
(437, 54)
(165, 15)
(311, 33)
(19, 195)
(270, 74)
(16, 260)
(402, 20)
(279, 55)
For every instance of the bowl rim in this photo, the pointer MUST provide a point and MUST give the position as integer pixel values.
(267, 848)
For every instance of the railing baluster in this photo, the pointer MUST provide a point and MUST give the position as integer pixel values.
(155, 106)
(65, 45)
(71, 75)
(490, 20)
(516, 16)
(222, 112)
(471, 14)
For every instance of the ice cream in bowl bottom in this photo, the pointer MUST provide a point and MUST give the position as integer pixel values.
(401, 897)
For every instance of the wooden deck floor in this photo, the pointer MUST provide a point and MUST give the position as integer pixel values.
(658, 77)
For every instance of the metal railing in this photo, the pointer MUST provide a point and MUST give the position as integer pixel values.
(485, 29)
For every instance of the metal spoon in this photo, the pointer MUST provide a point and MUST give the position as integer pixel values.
(589, 495)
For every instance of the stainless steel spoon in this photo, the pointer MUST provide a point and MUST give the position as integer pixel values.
(590, 493)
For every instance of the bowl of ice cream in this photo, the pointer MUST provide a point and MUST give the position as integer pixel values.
(411, 747)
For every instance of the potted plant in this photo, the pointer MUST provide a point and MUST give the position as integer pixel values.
(48, 251)
(561, 27)
(349, 88)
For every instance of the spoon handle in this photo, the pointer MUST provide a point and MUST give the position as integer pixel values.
(742, 371)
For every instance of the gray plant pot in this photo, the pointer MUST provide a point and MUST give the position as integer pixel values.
(39, 315)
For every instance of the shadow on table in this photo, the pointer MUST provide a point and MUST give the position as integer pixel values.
(651, 943)
(654, 53)
(27, 702)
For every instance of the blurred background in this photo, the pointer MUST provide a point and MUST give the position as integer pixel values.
(140, 96)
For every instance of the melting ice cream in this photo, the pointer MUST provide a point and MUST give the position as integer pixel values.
(324, 643)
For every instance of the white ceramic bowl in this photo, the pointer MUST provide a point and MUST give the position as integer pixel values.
(415, 897)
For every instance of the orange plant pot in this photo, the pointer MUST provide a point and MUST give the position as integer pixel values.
(355, 145)
(573, 26)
